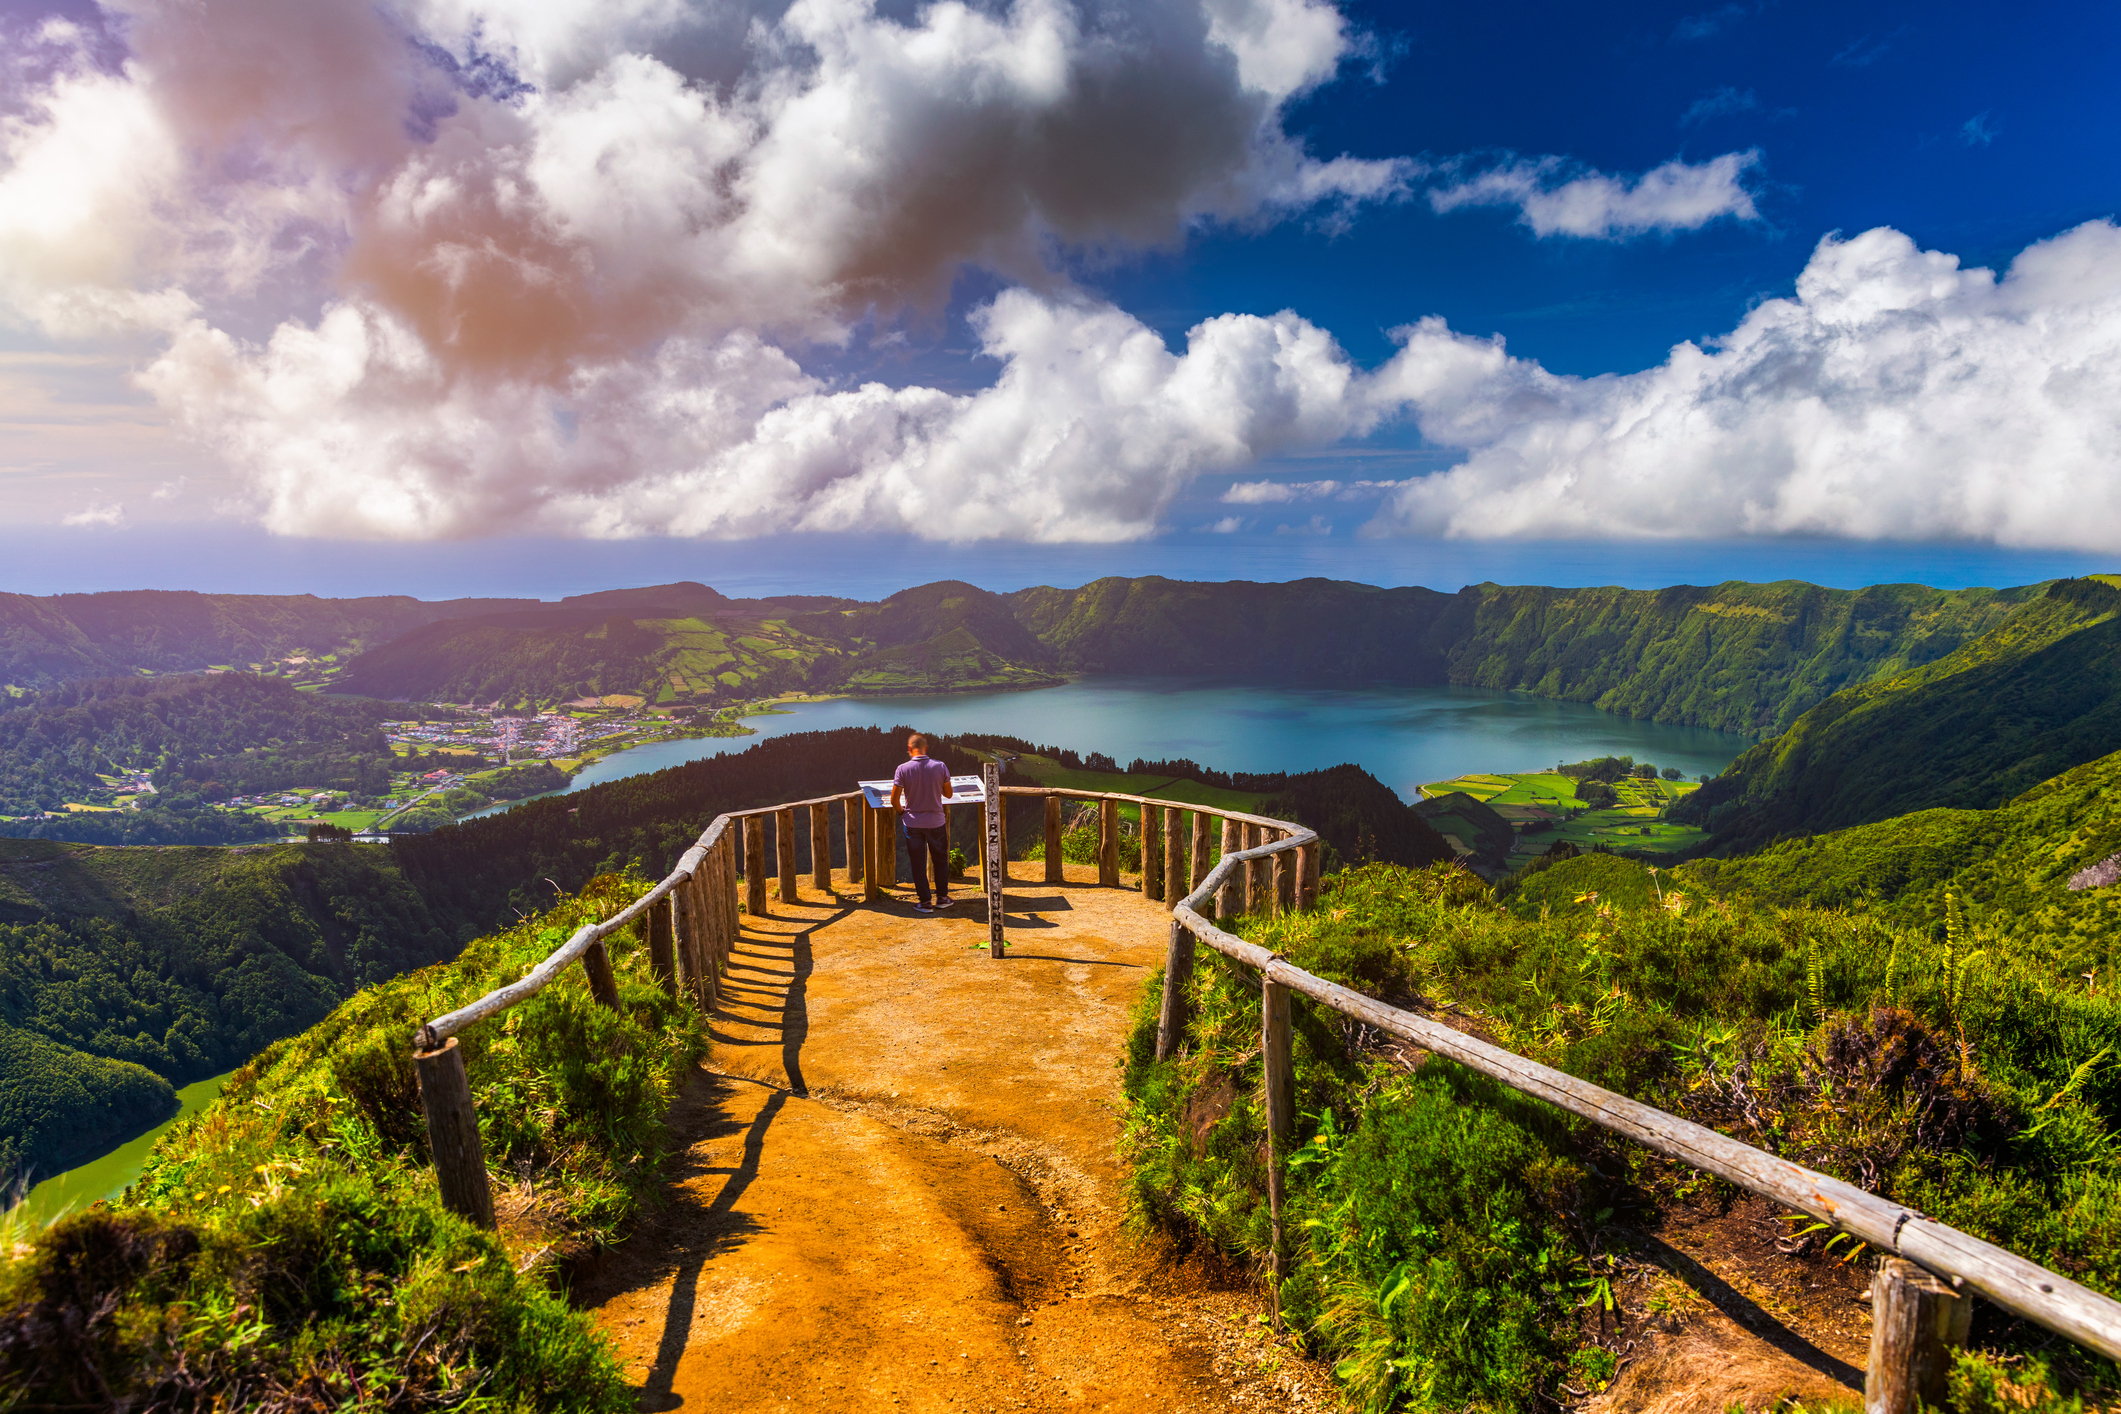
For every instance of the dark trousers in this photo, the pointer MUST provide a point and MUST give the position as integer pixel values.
(921, 843)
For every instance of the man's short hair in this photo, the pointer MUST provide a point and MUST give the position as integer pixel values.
(917, 740)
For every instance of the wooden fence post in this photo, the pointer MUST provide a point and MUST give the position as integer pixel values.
(683, 924)
(755, 865)
(602, 985)
(1280, 1082)
(851, 821)
(1231, 900)
(1307, 878)
(821, 847)
(1108, 842)
(1916, 1322)
(1286, 865)
(1203, 848)
(730, 902)
(704, 882)
(1174, 854)
(872, 887)
(659, 931)
(453, 1133)
(1178, 968)
(784, 851)
(1254, 872)
(1054, 872)
(711, 899)
(1152, 837)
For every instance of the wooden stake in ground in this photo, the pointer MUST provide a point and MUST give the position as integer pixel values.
(1917, 1320)
(1053, 841)
(991, 778)
(453, 1133)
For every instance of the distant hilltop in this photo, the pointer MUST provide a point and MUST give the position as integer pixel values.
(1748, 658)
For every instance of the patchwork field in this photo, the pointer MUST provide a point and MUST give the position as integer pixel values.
(1547, 802)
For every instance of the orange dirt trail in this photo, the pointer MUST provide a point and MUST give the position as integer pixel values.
(899, 1189)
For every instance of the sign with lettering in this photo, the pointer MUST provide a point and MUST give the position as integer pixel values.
(964, 790)
(991, 774)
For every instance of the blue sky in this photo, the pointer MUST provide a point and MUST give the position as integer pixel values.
(1963, 438)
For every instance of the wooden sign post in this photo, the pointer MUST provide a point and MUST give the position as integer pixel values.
(991, 778)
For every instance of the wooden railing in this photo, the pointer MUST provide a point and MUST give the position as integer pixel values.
(1261, 866)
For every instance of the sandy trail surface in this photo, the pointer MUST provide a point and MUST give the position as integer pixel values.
(899, 1188)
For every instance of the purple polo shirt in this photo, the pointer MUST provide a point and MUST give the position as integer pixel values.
(920, 780)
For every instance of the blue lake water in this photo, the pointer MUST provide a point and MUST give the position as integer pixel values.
(1405, 736)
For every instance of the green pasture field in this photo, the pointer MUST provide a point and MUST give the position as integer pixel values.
(1617, 827)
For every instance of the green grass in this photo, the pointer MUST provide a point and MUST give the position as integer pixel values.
(1617, 827)
(1444, 1232)
(285, 1249)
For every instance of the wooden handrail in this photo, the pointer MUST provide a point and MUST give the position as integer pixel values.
(2024, 1288)
(2033, 1292)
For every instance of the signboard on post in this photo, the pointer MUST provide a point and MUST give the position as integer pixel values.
(991, 779)
(964, 790)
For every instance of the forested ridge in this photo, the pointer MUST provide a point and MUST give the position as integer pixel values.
(180, 962)
(199, 738)
(2038, 694)
(60, 637)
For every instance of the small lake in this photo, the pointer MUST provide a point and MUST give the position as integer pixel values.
(108, 1176)
(1405, 736)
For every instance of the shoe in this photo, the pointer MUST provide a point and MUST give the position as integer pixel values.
(922, 908)
(945, 901)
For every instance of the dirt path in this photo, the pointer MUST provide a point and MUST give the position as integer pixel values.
(899, 1186)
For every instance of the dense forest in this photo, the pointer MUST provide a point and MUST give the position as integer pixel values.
(2038, 694)
(199, 738)
(179, 963)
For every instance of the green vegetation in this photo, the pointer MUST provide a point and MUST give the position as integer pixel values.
(1612, 803)
(1946, 1064)
(197, 739)
(46, 641)
(2038, 694)
(181, 962)
(1739, 657)
(285, 1249)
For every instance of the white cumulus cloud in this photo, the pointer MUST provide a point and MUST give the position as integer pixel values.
(1896, 396)
(1555, 197)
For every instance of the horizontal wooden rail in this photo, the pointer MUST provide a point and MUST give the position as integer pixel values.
(2023, 1288)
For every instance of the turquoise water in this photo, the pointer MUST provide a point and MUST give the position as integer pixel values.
(108, 1176)
(1405, 736)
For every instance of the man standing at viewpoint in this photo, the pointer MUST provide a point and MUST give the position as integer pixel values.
(918, 789)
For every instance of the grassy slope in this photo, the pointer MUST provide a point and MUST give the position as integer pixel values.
(1446, 1234)
(2036, 696)
(285, 1248)
(2009, 867)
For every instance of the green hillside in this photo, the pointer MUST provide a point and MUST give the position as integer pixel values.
(1737, 657)
(685, 643)
(126, 971)
(61, 637)
(2028, 700)
(2009, 867)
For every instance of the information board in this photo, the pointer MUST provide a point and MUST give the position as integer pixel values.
(964, 790)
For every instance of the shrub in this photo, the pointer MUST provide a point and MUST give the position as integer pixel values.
(285, 1249)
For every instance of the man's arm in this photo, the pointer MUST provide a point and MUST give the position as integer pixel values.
(946, 783)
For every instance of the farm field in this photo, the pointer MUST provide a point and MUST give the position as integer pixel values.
(1633, 823)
